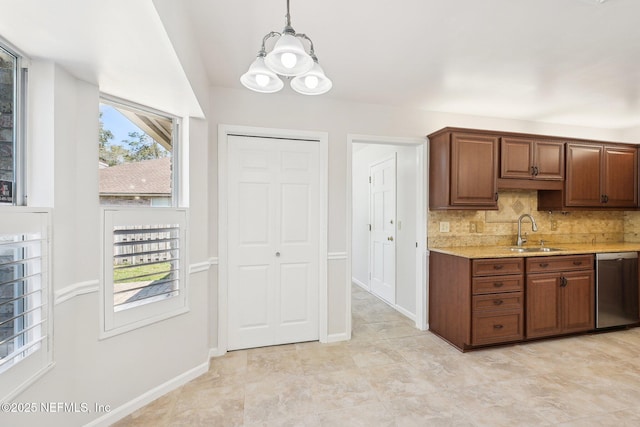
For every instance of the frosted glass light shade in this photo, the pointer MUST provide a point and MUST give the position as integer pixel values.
(288, 57)
(313, 82)
(259, 78)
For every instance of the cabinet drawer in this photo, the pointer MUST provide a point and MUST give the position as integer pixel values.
(559, 263)
(498, 302)
(492, 328)
(497, 266)
(497, 284)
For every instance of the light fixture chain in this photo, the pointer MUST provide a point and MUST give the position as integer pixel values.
(288, 15)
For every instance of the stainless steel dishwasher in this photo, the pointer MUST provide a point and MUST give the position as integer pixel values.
(616, 289)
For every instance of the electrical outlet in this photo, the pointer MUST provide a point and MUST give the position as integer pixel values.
(444, 227)
(473, 227)
(554, 225)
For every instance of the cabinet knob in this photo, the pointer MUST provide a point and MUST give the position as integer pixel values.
(577, 262)
(277, 254)
(390, 238)
(544, 264)
(498, 326)
(498, 267)
(498, 284)
(497, 302)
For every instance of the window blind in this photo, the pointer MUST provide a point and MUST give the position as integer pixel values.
(146, 264)
(22, 313)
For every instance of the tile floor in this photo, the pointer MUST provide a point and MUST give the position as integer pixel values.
(391, 374)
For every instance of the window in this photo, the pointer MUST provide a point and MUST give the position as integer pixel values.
(137, 156)
(21, 299)
(144, 266)
(144, 233)
(12, 77)
(24, 304)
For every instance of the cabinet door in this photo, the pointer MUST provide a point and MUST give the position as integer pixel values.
(516, 158)
(578, 301)
(620, 177)
(548, 160)
(474, 170)
(583, 175)
(543, 305)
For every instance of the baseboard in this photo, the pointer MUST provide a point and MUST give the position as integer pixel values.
(216, 352)
(405, 312)
(361, 284)
(337, 337)
(128, 408)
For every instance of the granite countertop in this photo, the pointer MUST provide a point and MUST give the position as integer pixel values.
(565, 249)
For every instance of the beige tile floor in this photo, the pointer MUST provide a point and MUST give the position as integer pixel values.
(391, 374)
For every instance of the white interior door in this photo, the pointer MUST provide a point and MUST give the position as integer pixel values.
(383, 229)
(273, 241)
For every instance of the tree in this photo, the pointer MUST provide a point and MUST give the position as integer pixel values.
(109, 154)
(138, 147)
(142, 147)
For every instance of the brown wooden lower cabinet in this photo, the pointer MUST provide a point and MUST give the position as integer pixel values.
(476, 302)
(559, 301)
(481, 302)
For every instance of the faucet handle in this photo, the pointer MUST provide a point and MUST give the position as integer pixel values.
(541, 243)
(524, 238)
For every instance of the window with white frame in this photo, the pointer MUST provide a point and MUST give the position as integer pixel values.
(144, 233)
(137, 155)
(24, 304)
(144, 266)
(12, 86)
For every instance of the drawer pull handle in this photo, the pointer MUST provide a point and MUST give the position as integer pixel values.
(498, 326)
(498, 284)
(498, 267)
(544, 264)
(577, 262)
(497, 302)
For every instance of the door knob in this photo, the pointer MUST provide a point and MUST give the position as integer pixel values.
(390, 238)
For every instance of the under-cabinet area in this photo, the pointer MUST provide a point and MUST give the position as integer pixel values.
(476, 301)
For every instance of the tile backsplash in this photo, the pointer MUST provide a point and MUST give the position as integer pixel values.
(478, 228)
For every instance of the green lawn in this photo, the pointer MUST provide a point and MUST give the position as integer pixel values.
(161, 270)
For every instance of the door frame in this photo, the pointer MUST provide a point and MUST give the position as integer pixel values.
(322, 138)
(421, 217)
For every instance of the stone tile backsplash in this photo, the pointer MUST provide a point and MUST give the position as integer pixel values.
(480, 228)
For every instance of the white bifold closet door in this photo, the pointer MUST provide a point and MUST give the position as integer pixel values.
(273, 241)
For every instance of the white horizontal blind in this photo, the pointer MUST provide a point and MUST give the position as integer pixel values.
(144, 267)
(22, 309)
(146, 264)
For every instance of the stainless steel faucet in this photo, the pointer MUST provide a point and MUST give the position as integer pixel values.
(534, 227)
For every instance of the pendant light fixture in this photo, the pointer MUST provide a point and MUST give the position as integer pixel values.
(290, 59)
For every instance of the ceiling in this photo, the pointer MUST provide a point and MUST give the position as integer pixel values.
(573, 62)
(561, 61)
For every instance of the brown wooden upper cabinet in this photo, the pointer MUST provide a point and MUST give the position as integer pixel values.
(531, 159)
(601, 175)
(463, 170)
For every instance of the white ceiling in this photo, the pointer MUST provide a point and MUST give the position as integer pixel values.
(560, 61)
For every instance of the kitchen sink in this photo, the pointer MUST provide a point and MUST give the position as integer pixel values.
(539, 249)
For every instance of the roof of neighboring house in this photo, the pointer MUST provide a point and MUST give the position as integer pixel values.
(151, 177)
